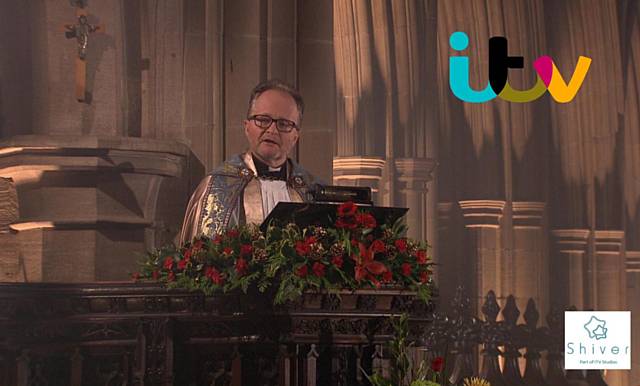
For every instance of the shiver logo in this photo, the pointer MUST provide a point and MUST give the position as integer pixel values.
(597, 340)
(596, 328)
(549, 77)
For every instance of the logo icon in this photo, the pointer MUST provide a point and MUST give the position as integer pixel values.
(596, 328)
(548, 75)
(597, 340)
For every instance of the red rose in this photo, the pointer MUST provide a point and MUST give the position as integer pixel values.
(187, 253)
(155, 275)
(337, 261)
(197, 245)
(245, 250)
(346, 223)
(310, 240)
(354, 243)
(347, 209)
(366, 220)
(302, 248)
(214, 275)
(168, 262)
(401, 244)
(171, 276)
(406, 269)
(387, 277)
(421, 256)
(318, 269)
(241, 266)
(227, 251)
(233, 233)
(182, 264)
(217, 239)
(377, 246)
(302, 271)
(424, 277)
(136, 276)
(437, 364)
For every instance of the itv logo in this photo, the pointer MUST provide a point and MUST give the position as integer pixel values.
(548, 75)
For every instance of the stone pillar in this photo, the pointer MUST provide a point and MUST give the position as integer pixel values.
(633, 294)
(359, 171)
(412, 175)
(483, 269)
(569, 278)
(11, 267)
(529, 273)
(610, 290)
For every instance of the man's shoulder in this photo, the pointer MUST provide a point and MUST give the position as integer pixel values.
(232, 167)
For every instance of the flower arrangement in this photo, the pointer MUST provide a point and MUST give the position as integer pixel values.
(354, 253)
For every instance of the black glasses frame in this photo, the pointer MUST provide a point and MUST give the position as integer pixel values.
(264, 122)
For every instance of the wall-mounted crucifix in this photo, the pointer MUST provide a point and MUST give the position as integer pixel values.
(81, 32)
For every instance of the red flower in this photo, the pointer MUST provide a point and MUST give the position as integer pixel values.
(366, 220)
(406, 269)
(387, 277)
(171, 276)
(241, 266)
(310, 240)
(135, 276)
(318, 269)
(155, 275)
(168, 262)
(337, 261)
(347, 223)
(437, 364)
(401, 244)
(217, 239)
(424, 277)
(245, 250)
(302, 271)
(187, 253)
(182, 264)
(197, 245)
(302, 248)
(377, 246)
(366, 266)
(227, 251)
(233, 233)
(354, 242)
(214, 275)
(421, 256)
(347, 209)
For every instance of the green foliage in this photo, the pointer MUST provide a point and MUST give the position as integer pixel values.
(355, 253)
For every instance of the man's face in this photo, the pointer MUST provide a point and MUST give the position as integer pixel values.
(271, 145)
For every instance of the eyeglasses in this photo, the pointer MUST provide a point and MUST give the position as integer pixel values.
(265, 122)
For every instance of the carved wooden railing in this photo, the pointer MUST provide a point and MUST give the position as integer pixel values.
(141, 334)
(459, 336)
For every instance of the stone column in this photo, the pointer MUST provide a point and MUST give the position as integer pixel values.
(483, 269)
(610, 290)
(412, 175)
(359, 171)
(529, 274)
(633, 293)
(569, 278)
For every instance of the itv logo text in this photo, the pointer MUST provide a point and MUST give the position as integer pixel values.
(548, 75)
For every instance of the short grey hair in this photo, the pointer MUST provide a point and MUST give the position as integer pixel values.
(276, 84)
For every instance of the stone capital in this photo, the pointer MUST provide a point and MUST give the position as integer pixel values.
(357, 168)
(571, 240)
(482, 213)
(528, 214)
(633, 261)
(609, 242)
(414, 173)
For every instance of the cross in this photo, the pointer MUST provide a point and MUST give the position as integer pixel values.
(81, 32)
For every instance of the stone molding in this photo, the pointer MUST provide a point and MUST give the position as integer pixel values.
(482, 213)
(414, 173)
(571, 240)
(633, 261)
(528, 214)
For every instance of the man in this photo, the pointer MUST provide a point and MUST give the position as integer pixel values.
(249, 185)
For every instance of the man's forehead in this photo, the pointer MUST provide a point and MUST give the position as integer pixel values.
(275, 100)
